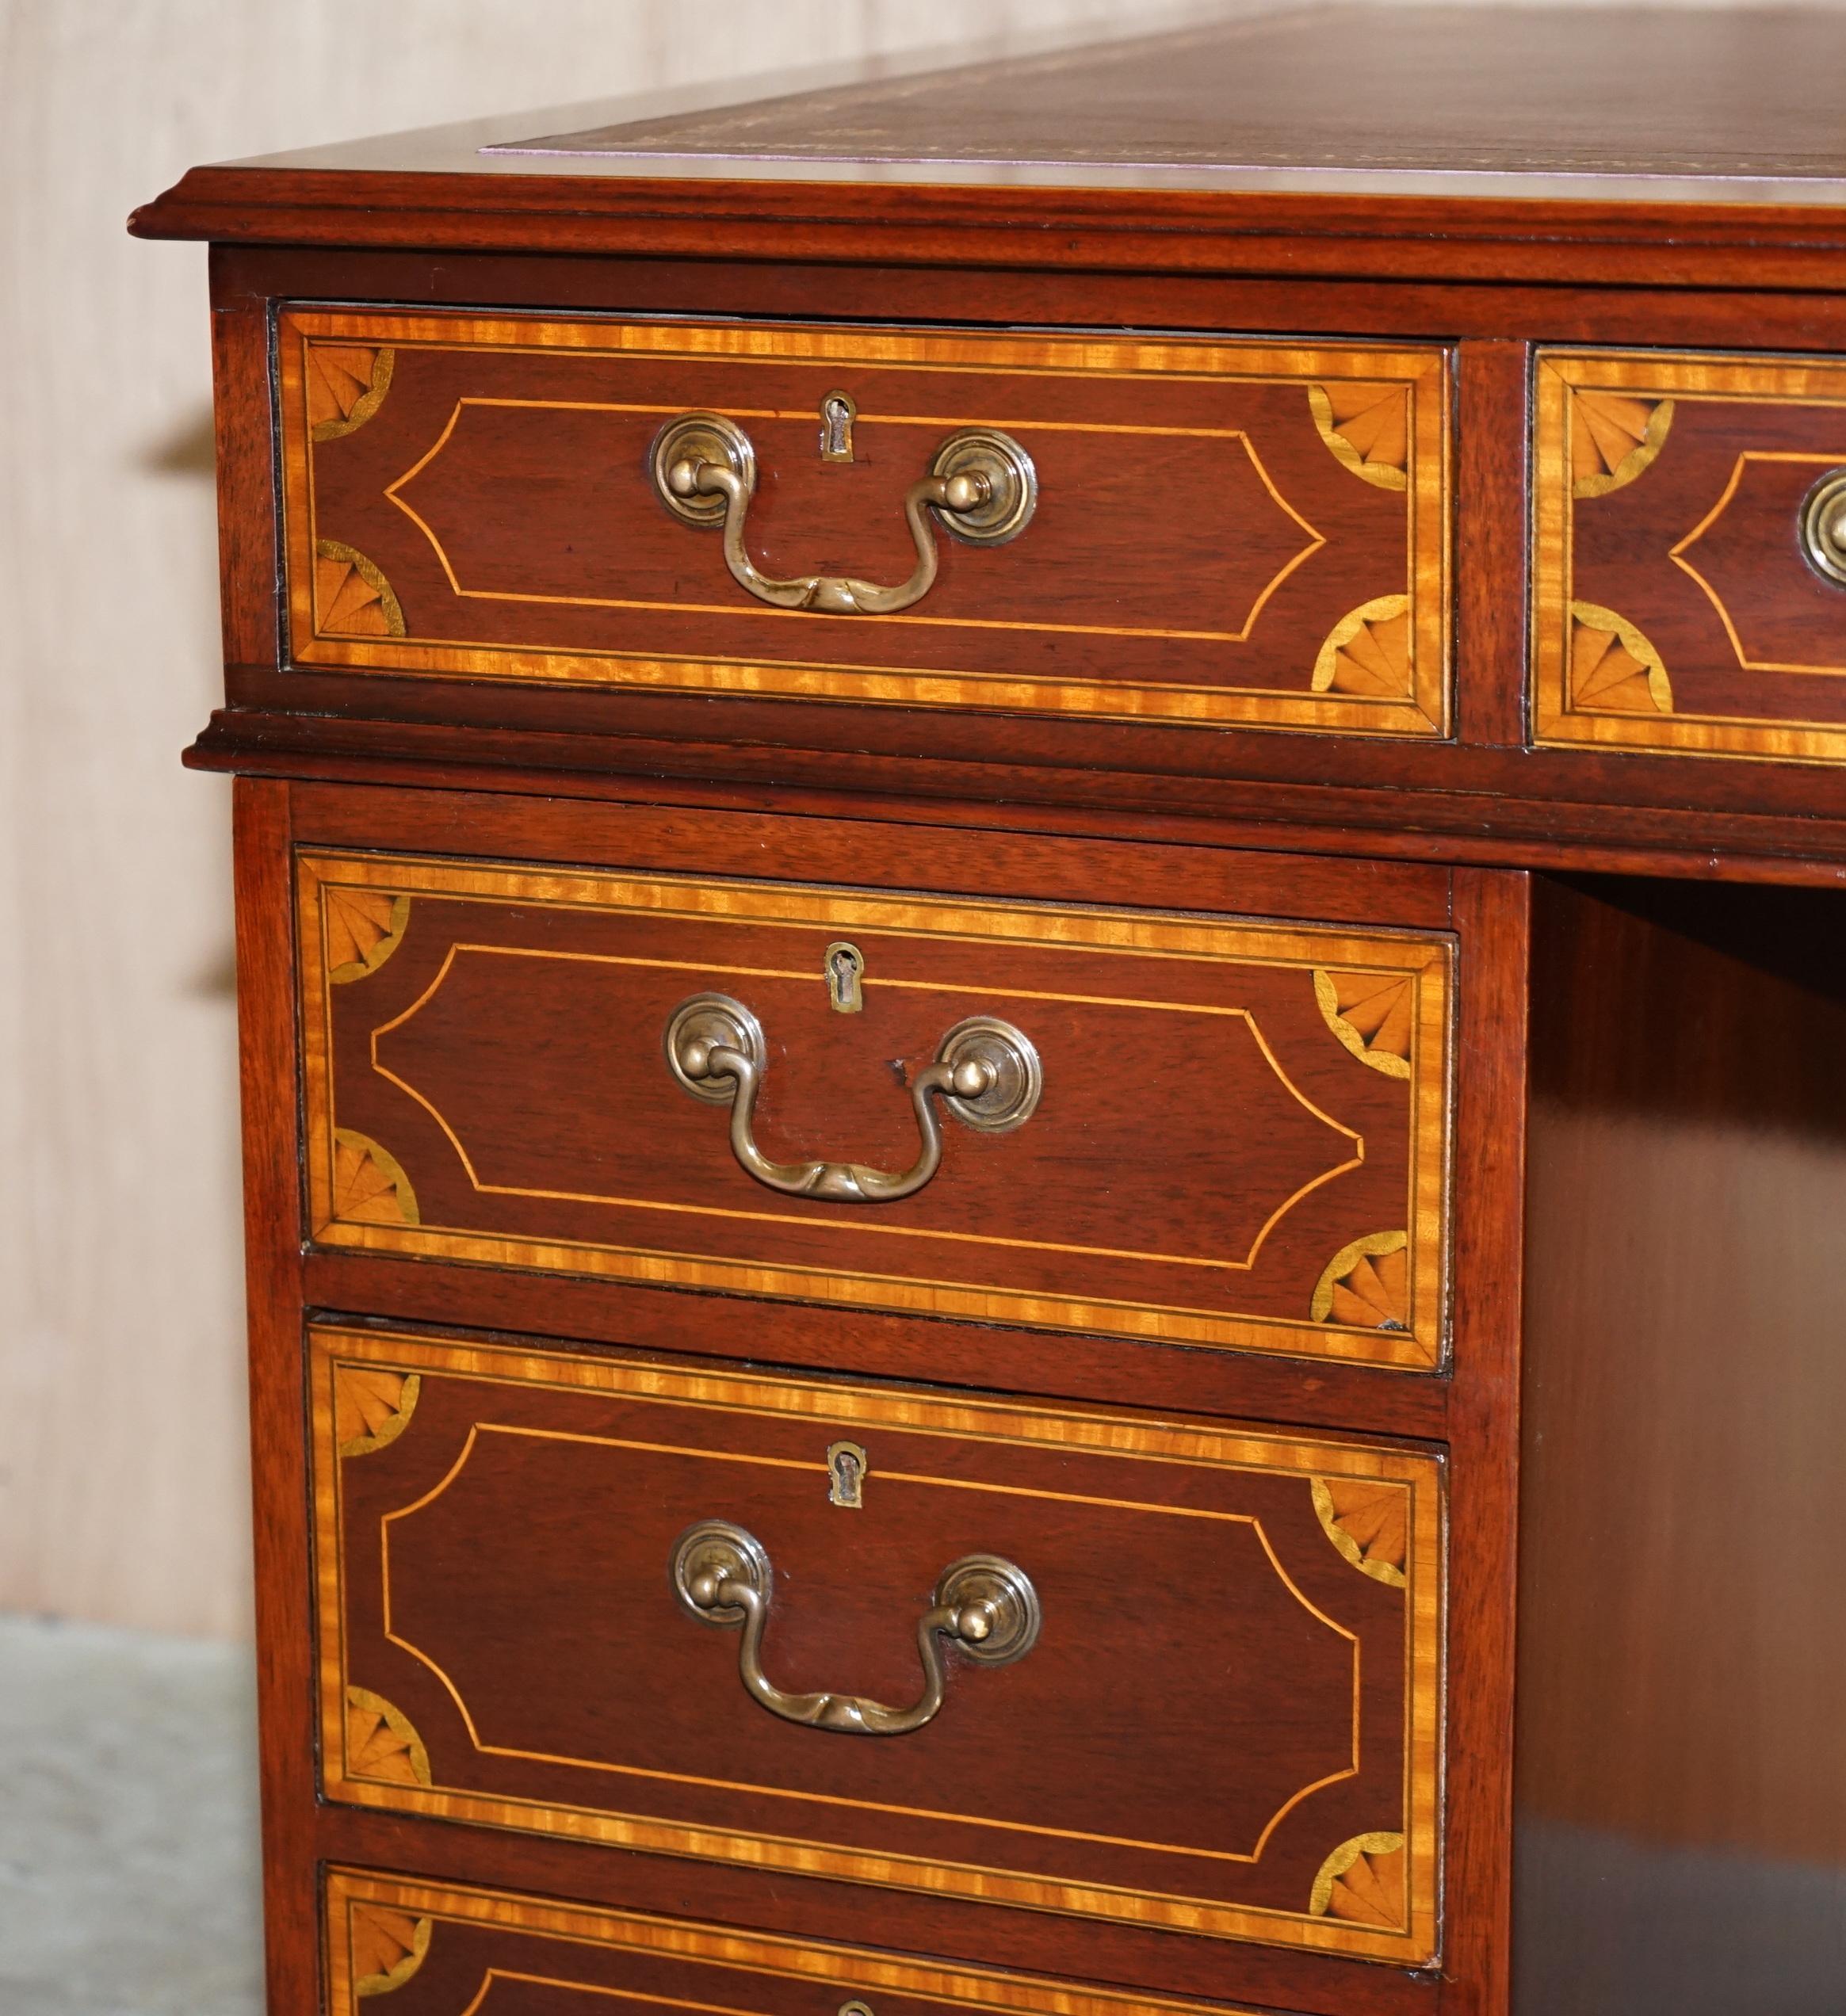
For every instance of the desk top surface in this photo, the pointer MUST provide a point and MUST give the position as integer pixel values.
(1422, 92)
(1703, 148)
(1740, 104)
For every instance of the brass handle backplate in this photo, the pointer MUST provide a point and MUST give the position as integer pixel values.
(980, 484)
(986, 1072)
(1823, 526)
(983, 1605)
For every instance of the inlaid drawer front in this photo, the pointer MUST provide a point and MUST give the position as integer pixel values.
(1145, 1125)
(1173, 1676)
(1690, 591)
(443, 1949)
(1163, 529)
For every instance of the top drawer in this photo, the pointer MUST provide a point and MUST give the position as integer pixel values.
(1689, 585)
(1160, 530)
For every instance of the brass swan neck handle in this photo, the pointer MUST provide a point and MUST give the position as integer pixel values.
(986, 1072)
(982, 1604)
(980, 483)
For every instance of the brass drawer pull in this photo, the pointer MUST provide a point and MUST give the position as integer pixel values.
(981, 483)
(1823, 526)
(986, 1605)
(986, 1072)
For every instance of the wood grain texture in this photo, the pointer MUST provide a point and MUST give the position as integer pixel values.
(1463, 96)
(1688, 1174)
(1304, 1108)
(1478, 792)
(273, 1204)
(1483, 1430)
(584, 1309)
(1480, 825)
(1673, 607)
(561, 1482)
(472, 487)
(488, 1948)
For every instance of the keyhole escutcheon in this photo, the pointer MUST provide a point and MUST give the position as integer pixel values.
(846, 1472)
(838, 412)
(844, 966)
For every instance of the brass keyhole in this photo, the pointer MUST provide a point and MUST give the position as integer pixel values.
(844, 965)
(845, 1469)
(837, 415)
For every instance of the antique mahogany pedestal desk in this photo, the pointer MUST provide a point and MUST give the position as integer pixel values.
(1039, 886)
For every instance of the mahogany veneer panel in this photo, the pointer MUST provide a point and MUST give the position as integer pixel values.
(1681, 1759)
(449, 1950)
(1262, 1614)
(1242, 1139)
(1674, 608)
(1224, 532)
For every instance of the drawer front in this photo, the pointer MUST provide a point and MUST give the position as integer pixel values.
(1216, 532)
(1690, 583)
(446, 1949)
(1226, 1724)
(1240, 1135)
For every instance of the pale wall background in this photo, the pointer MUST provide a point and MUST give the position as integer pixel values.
(123, 1477)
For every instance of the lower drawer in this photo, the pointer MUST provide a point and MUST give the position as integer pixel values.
(1184, 1677)
(440, 1951)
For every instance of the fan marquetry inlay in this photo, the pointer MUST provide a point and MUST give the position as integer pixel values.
(387, 1947)
(380, 1743)
(372, 1406)
(1368, 1522)
(1368, 427)
(1613, 670)
(1613, 437)
(1366, 1285)
(345, 384)
(1373, 1014)
(364, 927)
(1367, 654)
(1363, 1883)
(368, 1187)
(351, 597)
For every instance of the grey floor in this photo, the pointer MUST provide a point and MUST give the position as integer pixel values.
(128, 1862)
(127, 1825)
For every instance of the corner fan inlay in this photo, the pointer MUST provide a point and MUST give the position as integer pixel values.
(1373, 1014)
(1366, 1285)
(1367, 427)
(369, 1187)
(387, 1947)
(345, 384)
(381, 1744)
(364, 927)
(1614, 436)
(1367, 653)
(1362, 1882)
(351, 597)
(1613, 670)
(1369, 1524)
(373, 1406)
